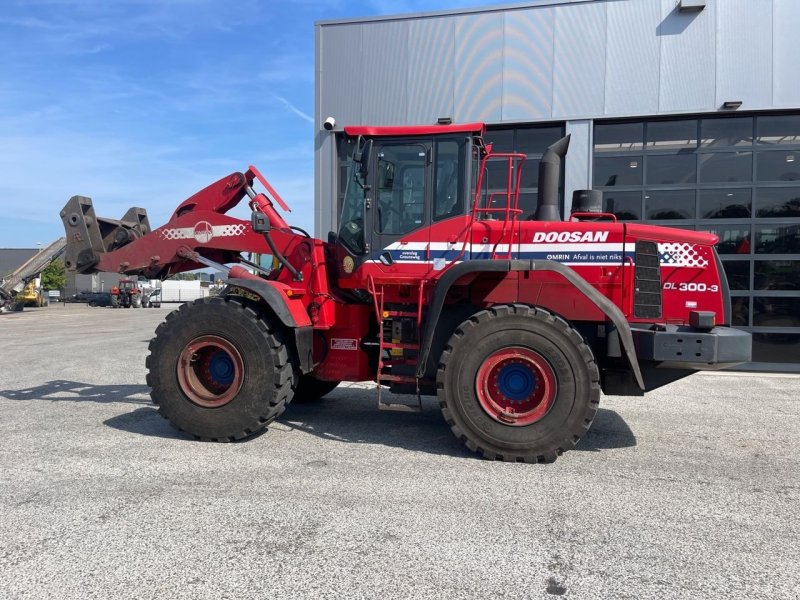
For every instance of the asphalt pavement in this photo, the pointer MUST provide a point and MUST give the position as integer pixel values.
(690, 492)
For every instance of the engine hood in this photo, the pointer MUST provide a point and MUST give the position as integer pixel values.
(669, 234)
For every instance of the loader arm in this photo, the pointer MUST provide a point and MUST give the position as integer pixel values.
(199, 224)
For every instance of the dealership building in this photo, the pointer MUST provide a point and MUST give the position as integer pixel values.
(684, 113)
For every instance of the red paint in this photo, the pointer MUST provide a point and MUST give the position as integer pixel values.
(416, 130)
(535, 383)
(194, 371)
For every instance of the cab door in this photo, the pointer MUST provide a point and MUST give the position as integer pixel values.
(398, 203)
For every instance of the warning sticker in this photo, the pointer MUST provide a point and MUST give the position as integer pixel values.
(344, 344)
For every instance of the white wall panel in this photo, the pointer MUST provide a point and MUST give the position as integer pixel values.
(528, 64)
(577, 172)
(384, 54)
(479, 67)
(688, 57)
(340, 71)
(431, 51)
(786, 63)
(579, 60)
(744, 52)
(632, 58)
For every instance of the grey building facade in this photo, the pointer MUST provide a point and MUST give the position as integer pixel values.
(687, 116)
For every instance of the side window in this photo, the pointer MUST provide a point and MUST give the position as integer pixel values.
(448, 196)
(400, 193)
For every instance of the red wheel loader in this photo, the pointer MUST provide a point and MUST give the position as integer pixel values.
(435, 283)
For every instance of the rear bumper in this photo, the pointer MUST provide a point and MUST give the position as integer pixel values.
(683, 347)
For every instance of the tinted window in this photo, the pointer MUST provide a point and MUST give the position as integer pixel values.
(778, 202)
(527, 202)
(776, 312)
(625, 170)
(618, 137)
(733, 239)
(535, 140)
(530, 173)
(776, 347)
(728, 203)
(448, 195)
(671, 169)
(778, 166)
(669, 204)
(672, 134)
(776, 239)
(778, 129)
(502, 140)
(627, 206)
(735, 131)
(400, 197)
(740, 309)
(726, 167)
(777, 275)
(738, 274)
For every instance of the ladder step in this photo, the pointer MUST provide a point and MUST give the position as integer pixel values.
(399, 313)
(400, 361)
(397, 378)
(400, 346)
(399, 407)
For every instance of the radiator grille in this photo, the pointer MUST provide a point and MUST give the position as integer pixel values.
(647, 282)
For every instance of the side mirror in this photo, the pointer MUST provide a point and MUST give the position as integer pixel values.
(362, 156)
(259, 222)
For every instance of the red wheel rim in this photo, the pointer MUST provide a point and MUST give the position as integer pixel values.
(210, 371)
(516, 386)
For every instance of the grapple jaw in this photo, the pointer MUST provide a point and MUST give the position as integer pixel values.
(89, 236)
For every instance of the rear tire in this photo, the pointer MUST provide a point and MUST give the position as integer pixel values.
(311, 389)
(218, 370)
(519, 384)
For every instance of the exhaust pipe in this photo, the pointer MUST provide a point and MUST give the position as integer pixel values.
(549, 176)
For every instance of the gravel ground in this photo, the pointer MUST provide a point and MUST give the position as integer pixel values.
(691, 492)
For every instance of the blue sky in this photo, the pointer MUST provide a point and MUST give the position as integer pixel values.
(144, 102)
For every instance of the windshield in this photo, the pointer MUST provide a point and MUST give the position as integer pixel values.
(351, 223)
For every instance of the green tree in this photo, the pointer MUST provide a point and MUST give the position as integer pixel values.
(54, 277)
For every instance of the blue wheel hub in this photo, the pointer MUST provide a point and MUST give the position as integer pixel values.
(516, 382)
(221, 368)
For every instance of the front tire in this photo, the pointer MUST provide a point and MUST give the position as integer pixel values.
(218, 370)
(517, 383)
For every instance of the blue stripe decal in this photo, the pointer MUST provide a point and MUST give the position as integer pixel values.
(579, 257)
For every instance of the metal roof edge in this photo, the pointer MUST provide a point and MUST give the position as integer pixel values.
(452, 12)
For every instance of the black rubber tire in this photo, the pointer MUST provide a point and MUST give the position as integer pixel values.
(267, 379)
(311, 389)
(572, 361)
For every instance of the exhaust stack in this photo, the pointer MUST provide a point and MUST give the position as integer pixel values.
(549, 176)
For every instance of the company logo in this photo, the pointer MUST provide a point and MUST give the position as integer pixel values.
(570, 236)
(203, 232)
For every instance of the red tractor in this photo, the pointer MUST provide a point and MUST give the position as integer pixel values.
(127, 294)
(438, 281)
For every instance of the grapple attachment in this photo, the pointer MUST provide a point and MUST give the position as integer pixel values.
(89, 236)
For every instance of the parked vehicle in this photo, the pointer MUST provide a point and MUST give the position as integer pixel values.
(434, 284)
(94, 298)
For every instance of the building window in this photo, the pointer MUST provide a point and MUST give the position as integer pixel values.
(736, 176)
(532, 141)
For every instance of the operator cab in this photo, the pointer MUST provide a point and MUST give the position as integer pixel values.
(411, 188)
(401, 179)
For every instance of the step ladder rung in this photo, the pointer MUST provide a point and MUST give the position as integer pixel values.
(400, 346)
(400, 313)
(397, 378)
(400, 407)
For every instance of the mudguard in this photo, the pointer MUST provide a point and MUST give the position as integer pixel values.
(447, 280)
(291, 313)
